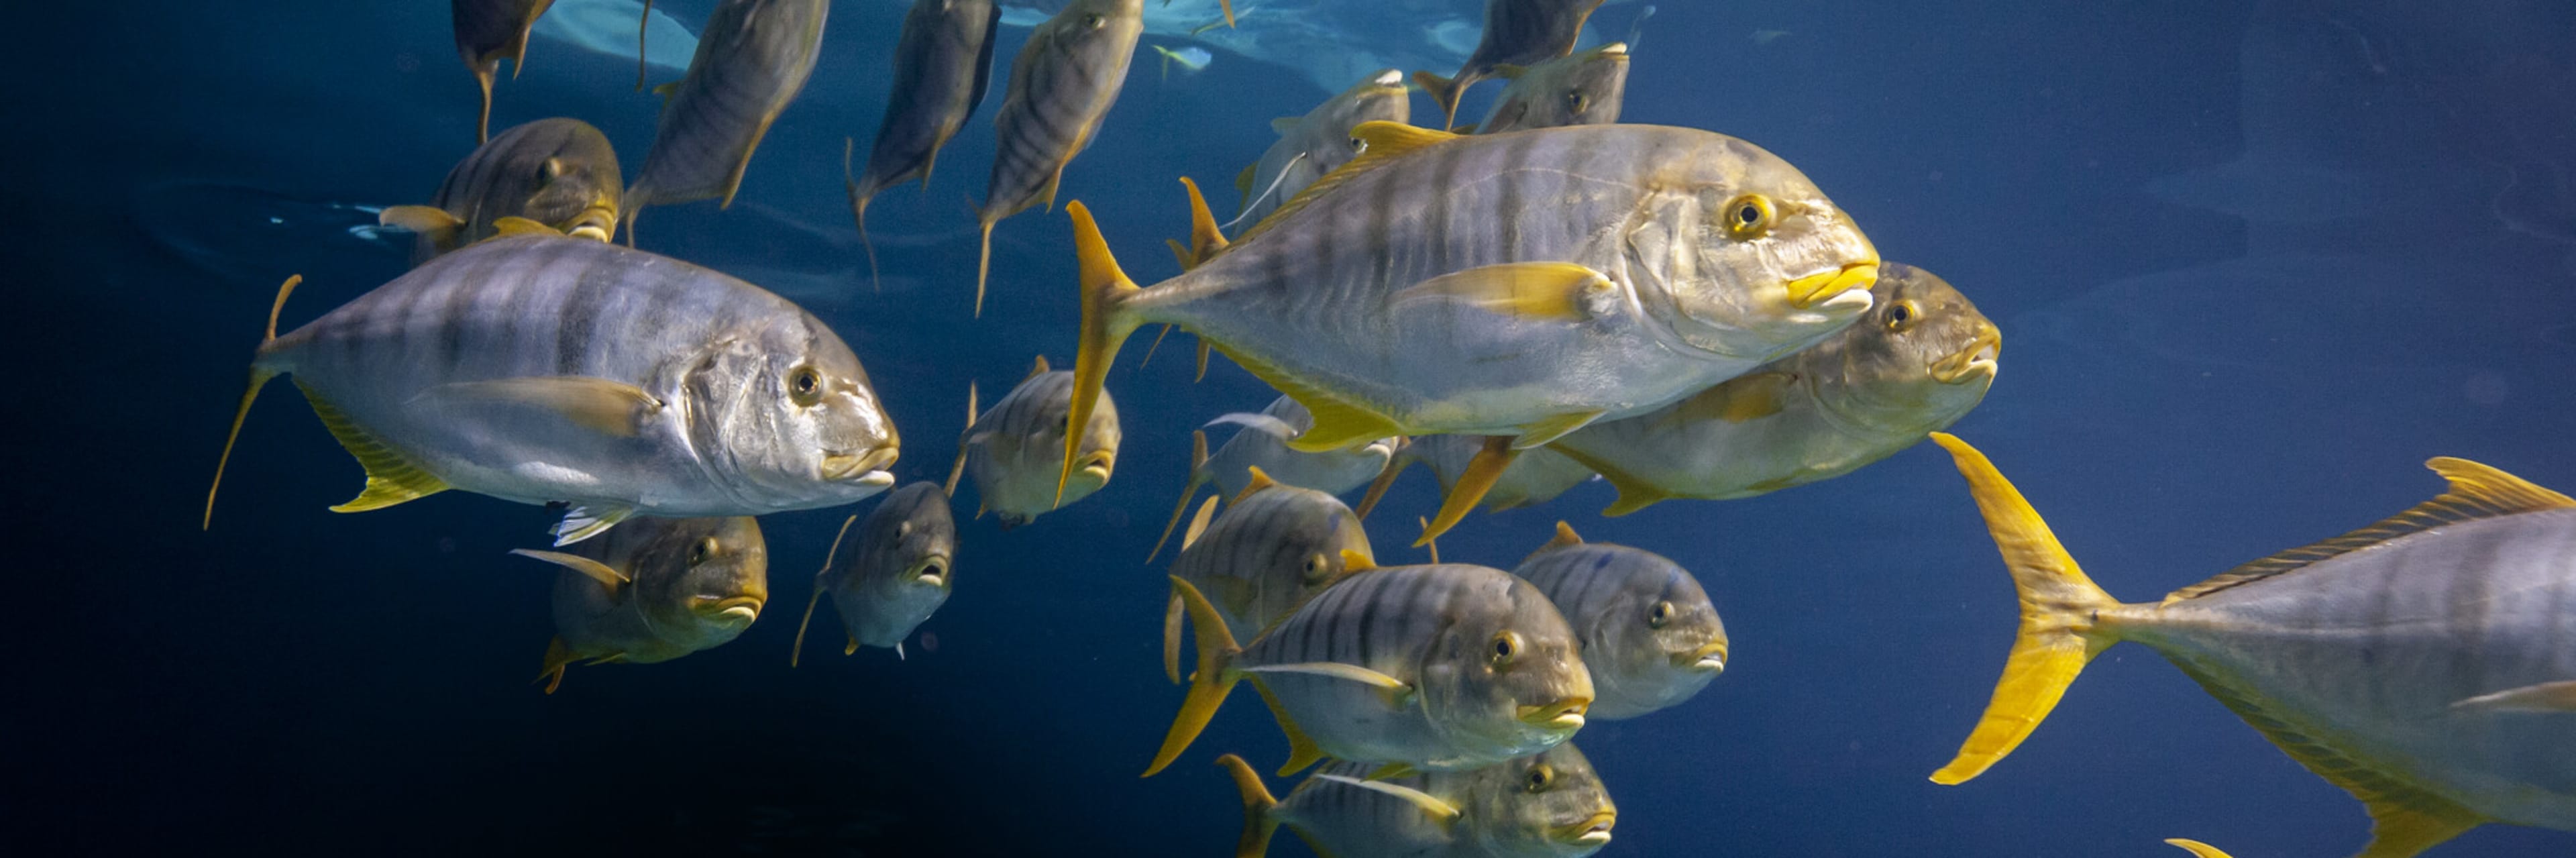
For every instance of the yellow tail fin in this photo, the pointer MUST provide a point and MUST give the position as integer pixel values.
(1198, 477)
(1258, 821)
(1103, 330)
(2058, 604)
(1208, 687)
(259, 378)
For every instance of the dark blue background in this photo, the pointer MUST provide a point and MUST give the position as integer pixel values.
(2368, 258)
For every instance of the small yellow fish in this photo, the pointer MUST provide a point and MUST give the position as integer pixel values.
(943, 63)
(557, 172)
(1275, 547)
(1517, 32)
(1260, 442)
(655, 590)
(895, 576)
(1580, 89)
(1011, 449)
(1649, 633)
(751, 62)
(1062, 85)
(1547, 805)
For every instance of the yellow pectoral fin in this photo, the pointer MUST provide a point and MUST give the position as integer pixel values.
(1243, 180)
(1440, 811)
(1547, 431)
(516, 226)
(2196, 847)
(1539, 291)
(1635, 493)
(1392, 770)
(2544, 697)
(1396, 692)
(609, 407)
(427, 220)
(391, 477)
(593, 569)
(1737, 400)
(1302, 751)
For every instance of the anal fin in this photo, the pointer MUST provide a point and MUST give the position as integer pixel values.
(391, 476)
(1302, 751)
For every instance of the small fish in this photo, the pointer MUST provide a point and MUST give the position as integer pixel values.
(1517, 32)
(1062, 85)
(1319, 142)
(1534, 476)
(2351, 654)
(655, 590)
(1261, 441)
(943, 63)
(557, 172)
(1438, 668)
(751, 62)
(1191, 59)
(1275, 547)
(538, 368)
(486, 31)
(1546, 805)
(1011, 449)
(1648, 632)
(1917, 362)
(1595, 272)
(896, 576)
(1581, 89)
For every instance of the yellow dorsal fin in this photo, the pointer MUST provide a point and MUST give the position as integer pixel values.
(391, 478)
(957, 469)
(2476, 492)
(1635, 493)
(1199, 523)
(1565, 536)
(514, 225)
(1206, 240)
(1302, 751)
(1198, 477)
(1383, 142)
(822, 582)
(1260, 480)
(1037, 369)
(1260, 816)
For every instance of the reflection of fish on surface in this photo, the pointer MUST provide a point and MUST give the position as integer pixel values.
(488, 31)
(655, 590)
(558, 172)
(1548, 804)
(754, 59)
(1516, 32)
(608, 27)
(1317, 39)
(897, 572)
(2418, 663)
(228, 231)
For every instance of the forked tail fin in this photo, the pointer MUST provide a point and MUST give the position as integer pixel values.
(1208, 687)
(1104, 328)
(1259, 821)
(259, 377)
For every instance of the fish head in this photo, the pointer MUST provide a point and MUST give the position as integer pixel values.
(1505, 673)
(1093, 463)
(702, 580)
(1917, 361)
(783, 414)
(1313, 540)
(911, 540)
(1595, 84)
(1546, 805)
(1379, 97)
(576, 188)
(1649, 633)
(1093, 30)
(1743, 256)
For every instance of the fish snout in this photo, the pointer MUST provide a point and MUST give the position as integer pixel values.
(1845, 288)
(1592, 830)
(1971, 363)
(1710, 657)
(597, 222)
(931, 570)
(1564, 714)
(867, 467)
(737, 610)
(1097, 465)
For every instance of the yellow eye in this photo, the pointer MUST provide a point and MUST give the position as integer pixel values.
(1660, 615)
(1316, 567)
(805, 386)
(1540, 778)
(1576, 102)
(699, 553)
(1749, 216)
(1506, 647)
(1902, 316)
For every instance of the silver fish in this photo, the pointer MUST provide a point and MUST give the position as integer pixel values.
(1579, 89)
(1062, 85)
(557, 172)
(486, 31)
(1917, 362)
(751, 62)
(1011, 449)
(1649, 634)
(896, 575)
(1319, 142)
(1275, 547)
(1261, 441)
(541, 368)
(1533, 477)
(1442, 667)
(1517, 32)
(1547, 805)
(2373, 658)
(943, 63)
(655, 590)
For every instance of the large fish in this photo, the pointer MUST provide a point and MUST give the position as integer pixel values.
(1649, 634)
(1011, 449)
(1533, 477)
(1918, 362)
(1546, 805)
(2422, 663)
(752, 60)
(1319, 142)
(942, 64)
(1261, 441)
(1274, 548)
(1584, 273)
(1517, 33)
(487, 31)
(1442, 667)
(1579, 89)
(558, 172)
(1062, 85)
(538, 368)
(896, 575)
(655, 590)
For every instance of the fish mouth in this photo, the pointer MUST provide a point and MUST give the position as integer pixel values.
(1594, 830)
(1614, 49)
(1389, 78)
(1971, 363)
(1710, 657)
(865, 468)
(1097, 466)
(739, 608)
(597, 222)
(931, 570)
(1831, 288)
(1566, 714)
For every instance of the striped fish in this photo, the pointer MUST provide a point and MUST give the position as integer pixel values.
(1918, 362)
(1261, 441)
(1546, 805)
(895, 577)
(655, 590)
(751, 61)
(1517, 32)
(537, 369)
(2426, 663)
(1274, 548)
(487, 31)
(1441, 667)
(942, 64)
(1585, 273)
(1011, 449)
(1319, 142)
(558, 172)
(1062, 85)
(1649, 634)
(1533, 477)
(1579, 89)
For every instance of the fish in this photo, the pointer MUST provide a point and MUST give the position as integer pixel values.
(896, 575)
(1062, 85)
(1922, 358)
(1191, 59)
(1275, 547)
(1534, 476)
(1547, 805)
(2352, 654)
(752, 60)
(1011, 449)
(538, 368)
(1328, 43)
(1648, 631)
(487, 31)
(610, 27)
(1261, 441)
(1391, 299)
(1577, 89)
(558, 172)
(1443, 667)
(943, 63)
(655, 590)
(1517, 32)
(1319, 142)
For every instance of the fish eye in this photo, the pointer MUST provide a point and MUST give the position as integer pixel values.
(902, 529)
(1902, 315)
(1506, 647)
(1749, 216)
(1315, 567)
(550, 170)
(1358, 145)
(1540, 778)
(1660, 615)
(805, 386)
(1576, 102)
(700, 552)
(1093, 22)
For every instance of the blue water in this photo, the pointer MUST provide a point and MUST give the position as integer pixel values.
(2253, 262)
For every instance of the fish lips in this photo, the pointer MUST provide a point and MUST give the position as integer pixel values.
(596, 222)
(1593, 830)
(1710, 657)
(738, 609)
(1565, 714)
(1845, 288)
(1977, 361)
(864, 468)
(932, 570)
